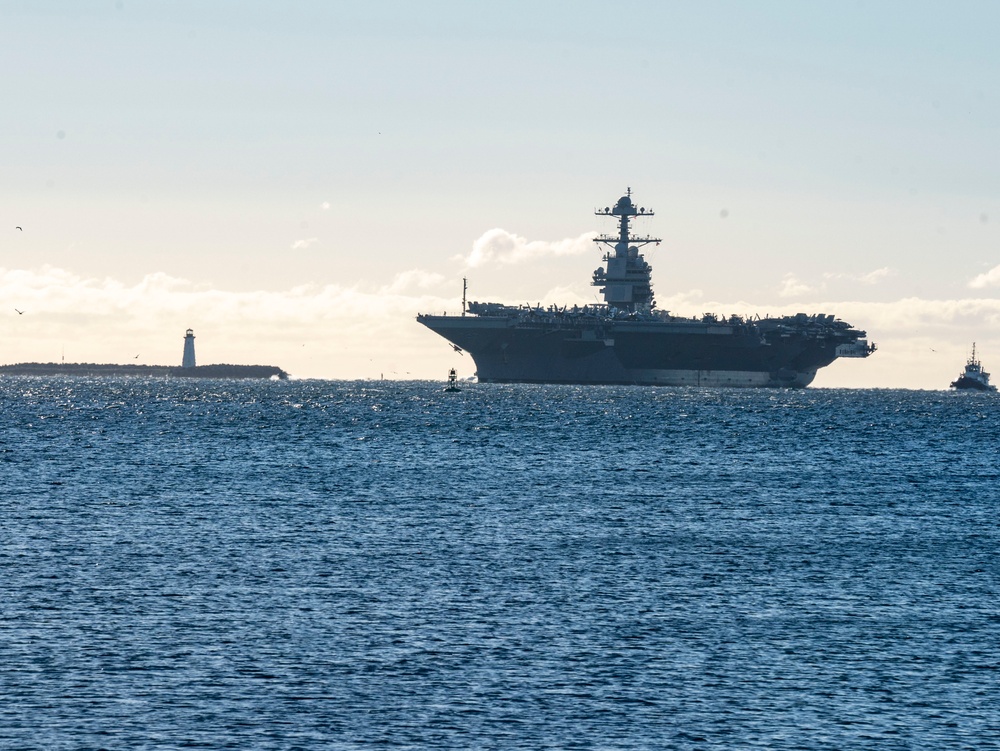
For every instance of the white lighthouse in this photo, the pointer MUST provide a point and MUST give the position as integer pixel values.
(188, 361)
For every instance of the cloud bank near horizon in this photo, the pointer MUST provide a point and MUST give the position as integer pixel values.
(337, 331)
(47, 292)
(314, 330)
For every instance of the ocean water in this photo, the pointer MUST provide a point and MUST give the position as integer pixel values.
(348, 565)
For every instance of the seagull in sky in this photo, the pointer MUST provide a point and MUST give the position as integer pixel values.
(19, 228)
(19, 312)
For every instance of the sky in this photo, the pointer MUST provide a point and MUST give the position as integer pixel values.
(296, 181)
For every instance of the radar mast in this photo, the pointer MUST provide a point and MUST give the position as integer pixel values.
(626, 283)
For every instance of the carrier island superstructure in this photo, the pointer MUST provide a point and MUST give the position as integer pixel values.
(627, 340)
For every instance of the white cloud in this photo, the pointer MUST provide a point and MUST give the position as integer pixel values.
(872, 277)
(990, 279)
(412, 279)
(497, 246)
(792, 286)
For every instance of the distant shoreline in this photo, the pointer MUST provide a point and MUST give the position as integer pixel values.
(150, 371)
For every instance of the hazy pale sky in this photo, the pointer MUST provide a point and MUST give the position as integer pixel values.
(296, 181)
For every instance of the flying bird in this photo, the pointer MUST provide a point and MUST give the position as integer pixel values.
(19, 228)
(19, 312)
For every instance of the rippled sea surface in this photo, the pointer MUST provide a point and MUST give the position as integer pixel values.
(314, 564)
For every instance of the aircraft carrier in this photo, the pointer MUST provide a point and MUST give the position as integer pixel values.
(627, 340)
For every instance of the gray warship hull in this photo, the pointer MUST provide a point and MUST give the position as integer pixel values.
(627, 340)
(684, 352)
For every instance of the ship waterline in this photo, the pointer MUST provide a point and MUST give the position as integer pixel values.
(650, 353)
(628, 341)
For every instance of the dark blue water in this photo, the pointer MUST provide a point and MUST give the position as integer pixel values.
(308, 565)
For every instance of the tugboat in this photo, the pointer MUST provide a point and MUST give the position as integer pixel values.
(974, 377)
(452, 381)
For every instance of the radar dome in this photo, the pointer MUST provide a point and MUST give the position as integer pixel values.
(624, 205)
